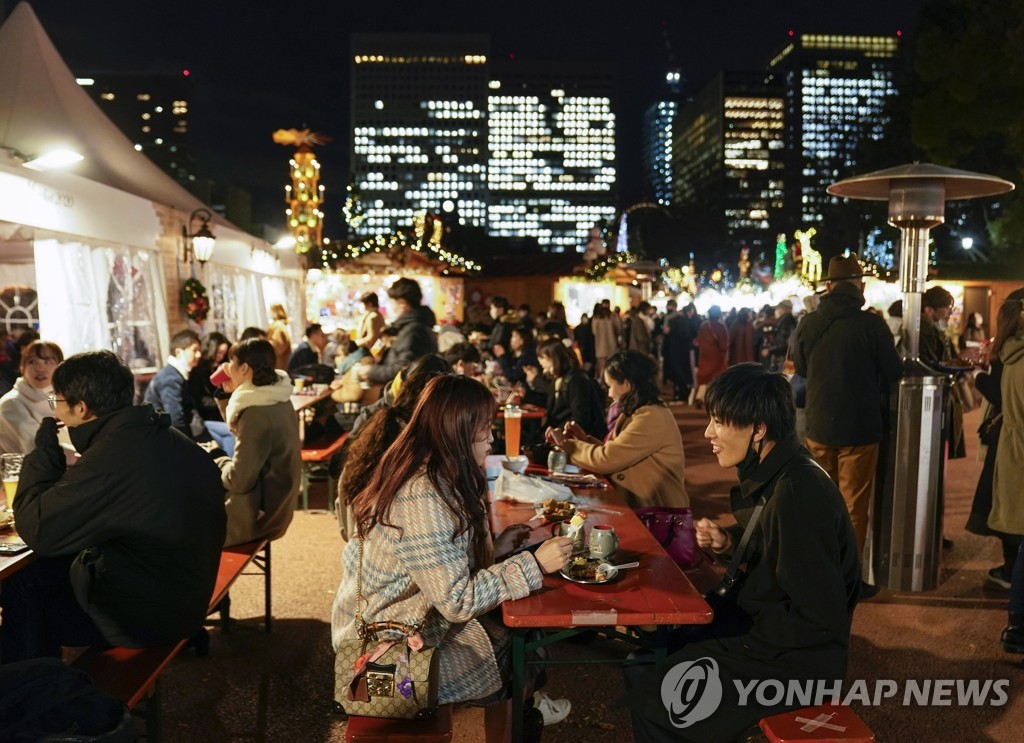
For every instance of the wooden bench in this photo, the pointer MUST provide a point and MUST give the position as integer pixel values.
(319, 453)
(824, 723)
(438, 729)
(133, 674)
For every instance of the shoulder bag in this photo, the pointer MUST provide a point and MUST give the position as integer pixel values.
(395, 678)
(673, 528)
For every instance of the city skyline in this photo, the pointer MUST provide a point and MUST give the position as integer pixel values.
(250, 72)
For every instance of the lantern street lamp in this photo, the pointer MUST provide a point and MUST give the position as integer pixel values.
(905, 550)
(198, 245)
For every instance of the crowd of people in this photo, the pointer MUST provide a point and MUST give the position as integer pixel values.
(129, 535)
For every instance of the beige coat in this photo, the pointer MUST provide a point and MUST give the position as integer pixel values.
(1007, 514)
(263, 479)
(644, 458)
(281, 340)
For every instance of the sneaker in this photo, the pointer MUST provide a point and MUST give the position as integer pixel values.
(998, 577)
(553, 710)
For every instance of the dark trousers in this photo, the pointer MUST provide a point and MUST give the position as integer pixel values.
(41, 613)
(1017, 583)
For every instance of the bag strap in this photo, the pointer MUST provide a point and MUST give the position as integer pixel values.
(737, 557)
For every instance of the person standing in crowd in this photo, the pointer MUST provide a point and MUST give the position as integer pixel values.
(521, 353)
(936, 349)
(442, 572)
(990, 385)
(279, 335)
(525, 315)
(606, 341)
(371, 326)
(785, 324)
(712, 344)
(643, 456)
(640, 325)
(263, 477)
(1007, 516)
(974, 334)
(676, 349)
(789, 617)
(128, 541)
(895, 323)
(24, 407)
(583, 334)
(846, 355)
(503, 320)
(741, 338)
(556, 316)
(573, 395)
(414, 328)
(168, 391)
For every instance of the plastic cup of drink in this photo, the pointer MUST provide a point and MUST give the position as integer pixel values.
(299, 385)
(219, 377)
(513, 430)
(10, 470)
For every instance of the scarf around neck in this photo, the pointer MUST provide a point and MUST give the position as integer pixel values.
(249, 395)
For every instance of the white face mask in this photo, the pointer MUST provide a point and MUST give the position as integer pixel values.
(941, 324)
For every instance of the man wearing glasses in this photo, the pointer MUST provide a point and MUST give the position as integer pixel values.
(128, 539)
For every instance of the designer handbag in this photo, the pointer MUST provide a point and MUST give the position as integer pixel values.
(673, 528)
(386, 671)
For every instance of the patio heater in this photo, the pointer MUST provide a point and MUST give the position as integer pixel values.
(905, 548)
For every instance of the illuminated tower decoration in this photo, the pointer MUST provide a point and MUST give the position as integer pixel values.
(305, 194)
(781, 251)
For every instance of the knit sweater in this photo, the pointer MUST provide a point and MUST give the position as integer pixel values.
(21, 411)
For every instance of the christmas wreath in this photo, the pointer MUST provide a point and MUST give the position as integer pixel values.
(194, 300)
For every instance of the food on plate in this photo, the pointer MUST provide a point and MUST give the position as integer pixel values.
(584, 568)
(557, 510)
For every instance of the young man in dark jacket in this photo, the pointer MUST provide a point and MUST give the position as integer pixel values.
(790, 619)
(169, 390)
(129, 538)
(415, 333)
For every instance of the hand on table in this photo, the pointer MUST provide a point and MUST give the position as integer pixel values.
(710, 534)
(552, 555)
(511, 539)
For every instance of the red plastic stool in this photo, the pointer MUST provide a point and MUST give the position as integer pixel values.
(825, 723)
(437, 729)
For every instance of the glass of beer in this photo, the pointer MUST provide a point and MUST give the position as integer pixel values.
(513, 429)
(10, 465)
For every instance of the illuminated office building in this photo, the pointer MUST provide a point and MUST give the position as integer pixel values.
(728, 163)
(419, 127)
(551, 152)
(657, 137)
(835, 89)
(152, 110)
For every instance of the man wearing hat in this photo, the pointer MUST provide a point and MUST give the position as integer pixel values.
(785, 324)
(846, 354)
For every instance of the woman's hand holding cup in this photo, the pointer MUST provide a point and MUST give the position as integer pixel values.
(553, 554)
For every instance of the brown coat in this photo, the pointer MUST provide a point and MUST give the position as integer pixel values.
(644, 458)
(281, 340)
(1007, 514)
(713, 346)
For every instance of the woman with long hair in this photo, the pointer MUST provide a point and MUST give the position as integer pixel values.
(572, 395)
(262, 479)
(643, 454)
(712, 345)
(280, 336)
(425, 554)
(520, 354)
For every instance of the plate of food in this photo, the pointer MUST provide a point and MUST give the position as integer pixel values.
(556, 510)
(587, 570)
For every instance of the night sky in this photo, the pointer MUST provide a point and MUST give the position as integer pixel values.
(259, 66)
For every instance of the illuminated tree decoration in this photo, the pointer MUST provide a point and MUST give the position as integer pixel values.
(305, 194)
(195, 300)
(599, 269)
(353, 210)
(781, 252)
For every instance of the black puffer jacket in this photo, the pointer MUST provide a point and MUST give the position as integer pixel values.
(144, 510)
(416, 337)
(846, 354)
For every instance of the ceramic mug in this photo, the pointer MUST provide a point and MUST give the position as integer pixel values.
(603, 542)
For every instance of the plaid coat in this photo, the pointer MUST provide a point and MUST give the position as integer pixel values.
(407, 573)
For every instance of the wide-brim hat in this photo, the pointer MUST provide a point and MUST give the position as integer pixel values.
(844, 267)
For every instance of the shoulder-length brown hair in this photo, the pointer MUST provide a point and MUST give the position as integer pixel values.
(452, 413)
(1008, 321)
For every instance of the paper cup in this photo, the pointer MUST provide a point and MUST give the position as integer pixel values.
(219, 377)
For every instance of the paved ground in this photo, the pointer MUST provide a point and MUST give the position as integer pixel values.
(259, 687)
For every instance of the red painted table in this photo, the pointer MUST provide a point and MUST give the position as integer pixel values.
(655, 593)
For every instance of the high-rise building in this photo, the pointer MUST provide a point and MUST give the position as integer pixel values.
(551, 152)
(152, 110)
(657, 137)
(727, 161)
(835, 89)
(419, 127)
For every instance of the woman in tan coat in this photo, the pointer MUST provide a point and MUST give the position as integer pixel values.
(262, 479)
(643, 455)
(279, 336)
